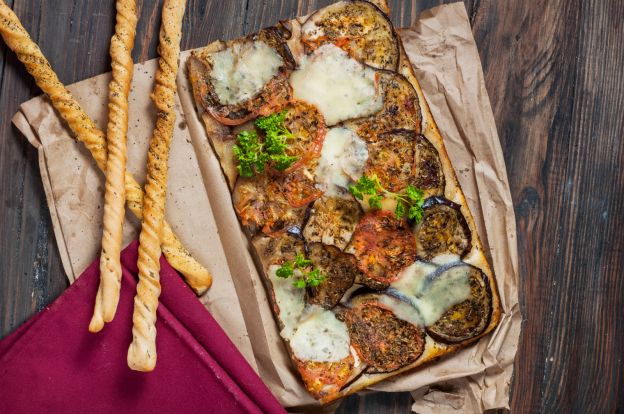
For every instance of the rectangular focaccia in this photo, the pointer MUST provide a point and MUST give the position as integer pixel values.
(340, 178)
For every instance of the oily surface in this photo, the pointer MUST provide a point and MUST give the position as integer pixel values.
(553, 72)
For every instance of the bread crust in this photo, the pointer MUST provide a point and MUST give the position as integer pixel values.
(142, 351)
(85, 131)
(475, 256)
(121, 46)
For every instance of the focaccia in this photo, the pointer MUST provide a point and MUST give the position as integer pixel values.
(341, 180)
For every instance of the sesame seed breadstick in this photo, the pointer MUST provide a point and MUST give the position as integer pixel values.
(142, 351)
(122, 65)
(85, 131)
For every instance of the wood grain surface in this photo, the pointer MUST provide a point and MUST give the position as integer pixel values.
(555, 74)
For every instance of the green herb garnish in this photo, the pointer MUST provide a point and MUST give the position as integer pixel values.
(249, 153)
(310, 278)
(410, 202)
(253, 155)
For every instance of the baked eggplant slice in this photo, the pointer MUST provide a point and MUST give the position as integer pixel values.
(332, 220)
(429, 175)
(402, 157)
(229, 85)
(261, 204)
(277, 250)
(442, 230)
(469, 318)
(391, 158)
(383, 337)
(382, 245)
(401, 109)
(359, 28)
(339, 270)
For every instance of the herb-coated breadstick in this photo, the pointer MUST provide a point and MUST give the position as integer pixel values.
(142, 351)
(121, 46)
(85, 131)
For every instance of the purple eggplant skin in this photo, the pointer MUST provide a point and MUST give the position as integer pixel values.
(443, 229)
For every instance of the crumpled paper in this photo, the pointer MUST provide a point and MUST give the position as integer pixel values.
(442, 50)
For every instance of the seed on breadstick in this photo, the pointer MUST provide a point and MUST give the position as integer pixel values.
(85, 131)
(142, 351)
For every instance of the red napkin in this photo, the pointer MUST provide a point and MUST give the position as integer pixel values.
(53, 364)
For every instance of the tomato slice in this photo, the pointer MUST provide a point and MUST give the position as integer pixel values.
(382, 245)
(325, 378)
(261, 204)
(308, 128)
(300, 186)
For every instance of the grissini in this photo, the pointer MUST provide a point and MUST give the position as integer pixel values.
(85, 131)
(121, 46)
(142, 351)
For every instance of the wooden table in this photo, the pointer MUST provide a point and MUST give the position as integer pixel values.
(555, 74)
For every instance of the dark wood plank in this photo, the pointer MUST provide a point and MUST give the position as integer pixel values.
(29, 263)
(558, 105)
(553, 71)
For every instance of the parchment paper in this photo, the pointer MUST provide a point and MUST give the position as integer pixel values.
(442, 49)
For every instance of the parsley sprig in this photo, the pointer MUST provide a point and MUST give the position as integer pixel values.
(410, 202)
(253, 155)
(310, 278)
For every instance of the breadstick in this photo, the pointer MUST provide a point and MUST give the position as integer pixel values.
(142, 351)
(121, 46)
(85, 131)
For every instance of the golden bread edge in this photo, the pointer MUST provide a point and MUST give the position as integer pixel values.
(453, 192)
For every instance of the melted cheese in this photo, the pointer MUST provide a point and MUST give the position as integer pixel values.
(242, 70)
(342, 159)
(320, 337)
(433, 296)
(290, 301)
(339, 86)
(446, 258)
(412, 280)
(402, 310)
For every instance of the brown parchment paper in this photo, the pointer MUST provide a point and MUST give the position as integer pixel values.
(442, 49)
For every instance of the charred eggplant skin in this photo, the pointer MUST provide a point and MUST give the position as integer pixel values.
(470, 318)
(442, 229)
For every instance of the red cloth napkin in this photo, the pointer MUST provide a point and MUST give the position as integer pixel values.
(53, 364)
